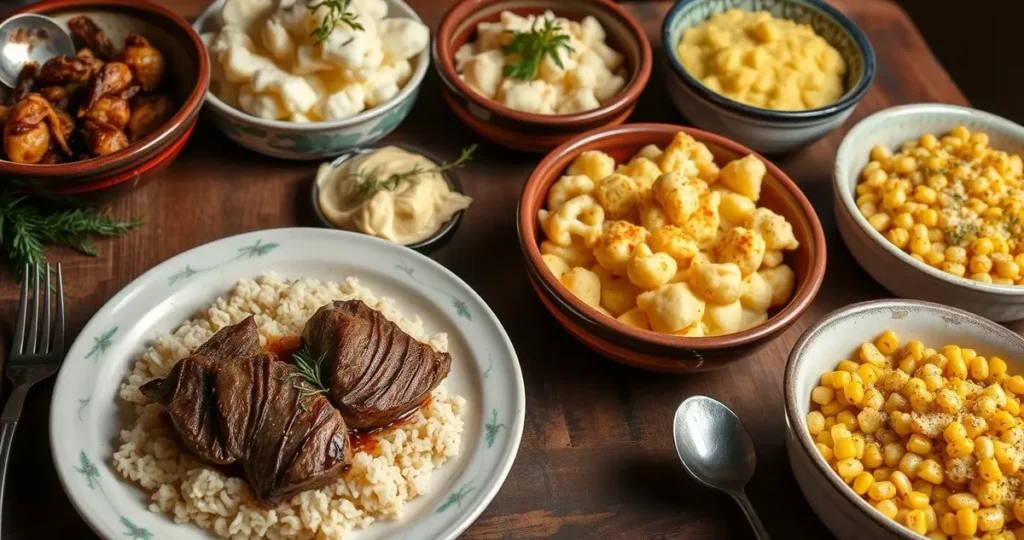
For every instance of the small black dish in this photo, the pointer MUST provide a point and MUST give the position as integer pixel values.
(432, 242)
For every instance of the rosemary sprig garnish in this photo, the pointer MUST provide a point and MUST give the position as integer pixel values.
(370, 185)
(307, 377)
(26, 230)
(532, 46)
(338, 14)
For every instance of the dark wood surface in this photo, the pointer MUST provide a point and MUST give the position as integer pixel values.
(597, 458)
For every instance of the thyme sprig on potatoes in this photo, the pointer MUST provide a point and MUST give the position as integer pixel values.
(531, 47)
(338, 14)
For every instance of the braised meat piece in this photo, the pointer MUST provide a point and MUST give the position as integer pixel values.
(234, 404)
(86, 55)
(376, 373)
(31, 125)
(101, 138)
(148, 114)
(113, 79)
(83, 28)
(63, 70)
(146, 61)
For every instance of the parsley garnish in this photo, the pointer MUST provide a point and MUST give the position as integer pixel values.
(370, 185)
(338, 14)
(532, 46)
(308, 376)
(955, 235)
(26, 229)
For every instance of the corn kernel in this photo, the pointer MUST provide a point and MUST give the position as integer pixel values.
(849, 468)
(822, 395)
(862, 482)
(963, 500)
(948, 523)
(960, 448)
(966, 521)
(881, 490)
(979, 368)
(902, 483)
(919, 444)
(887, 508)
(989, 470)
(990, 519)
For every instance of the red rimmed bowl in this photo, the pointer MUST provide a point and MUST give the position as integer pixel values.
(116, 184)
(539, 132)
(644, 348)
(188, 67)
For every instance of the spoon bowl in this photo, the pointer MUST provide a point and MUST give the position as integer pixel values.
(30, 37)
(717, 451)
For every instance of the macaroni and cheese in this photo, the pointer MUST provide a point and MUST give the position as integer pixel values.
(953, 203)
(762, 61)
(590, 72)
(933, 439)
(668, 241)
(274, 61)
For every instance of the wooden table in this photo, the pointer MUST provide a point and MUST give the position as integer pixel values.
(597, 457)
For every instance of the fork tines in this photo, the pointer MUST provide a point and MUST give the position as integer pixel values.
(36, 342)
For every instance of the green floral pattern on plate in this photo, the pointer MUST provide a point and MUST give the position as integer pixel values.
(258, 249)
(461, 309)
(455, 498)
(101, 344)
(92, 477)
(393, 118)
(492, 428)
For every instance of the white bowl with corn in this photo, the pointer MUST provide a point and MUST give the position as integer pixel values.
(929, 199)
(904, 421)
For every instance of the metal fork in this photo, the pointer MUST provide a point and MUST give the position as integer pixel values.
(33, 357)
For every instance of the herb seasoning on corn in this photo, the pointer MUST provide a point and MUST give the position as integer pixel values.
(933, 439)
(953, 203)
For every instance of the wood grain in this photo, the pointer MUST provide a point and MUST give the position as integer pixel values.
(597, 458)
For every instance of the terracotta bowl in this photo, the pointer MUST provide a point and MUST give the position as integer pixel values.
(648, 349)
(115, 184)
(538, 132)
(188, 67)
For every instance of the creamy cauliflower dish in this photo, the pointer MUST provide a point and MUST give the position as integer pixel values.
(669, 241)
(542, 64)
(304, 62)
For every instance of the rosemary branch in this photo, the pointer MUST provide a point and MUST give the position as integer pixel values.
(370, 185)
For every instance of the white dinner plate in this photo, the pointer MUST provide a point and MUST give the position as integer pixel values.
(85, 418)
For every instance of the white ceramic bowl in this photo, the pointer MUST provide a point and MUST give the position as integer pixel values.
(765, 130)
(315, 140)
(834, 338)
(890, 266)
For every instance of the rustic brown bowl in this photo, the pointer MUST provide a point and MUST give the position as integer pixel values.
(538, 132)
(644, 348)
(188, 65)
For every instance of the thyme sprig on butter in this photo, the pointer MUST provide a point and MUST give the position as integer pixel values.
(531, 48)
(308, 376)
(26, 229)
(338, 14)
(370, 185)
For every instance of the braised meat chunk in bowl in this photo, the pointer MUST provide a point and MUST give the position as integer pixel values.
(92, 104)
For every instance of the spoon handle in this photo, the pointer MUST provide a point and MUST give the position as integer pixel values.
(755, 522)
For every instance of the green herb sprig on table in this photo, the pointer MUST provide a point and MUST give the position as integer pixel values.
(26, 230)
(308, 376)
(338, 14)
(531, 48)
(369, 185)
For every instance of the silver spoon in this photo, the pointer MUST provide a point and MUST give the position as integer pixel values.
(717, 451)
(30, 37)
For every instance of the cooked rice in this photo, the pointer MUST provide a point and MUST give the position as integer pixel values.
(382, 479)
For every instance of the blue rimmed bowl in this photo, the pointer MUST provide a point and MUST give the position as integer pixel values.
(767, 130)
(315, 140)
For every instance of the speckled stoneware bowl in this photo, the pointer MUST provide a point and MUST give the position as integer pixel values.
(451, 176)
(890, 266)
(834, 338)
(188, 71)
(647, 349)
(766, 130)
(315, 140)
(539, 132)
